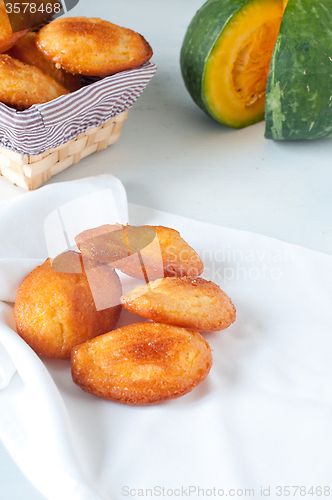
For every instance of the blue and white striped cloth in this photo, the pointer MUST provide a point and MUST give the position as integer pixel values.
(45, 126)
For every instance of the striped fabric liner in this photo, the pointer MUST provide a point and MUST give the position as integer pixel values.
(46, 126)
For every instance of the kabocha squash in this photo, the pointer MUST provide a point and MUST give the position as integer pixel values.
(225, 57)
(299, 87)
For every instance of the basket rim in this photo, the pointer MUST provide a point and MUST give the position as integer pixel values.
(48, 125)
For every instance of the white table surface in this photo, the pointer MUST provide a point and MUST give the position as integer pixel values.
(174, 158)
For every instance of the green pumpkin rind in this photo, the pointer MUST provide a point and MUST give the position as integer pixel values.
(200, 38)
(299, 87)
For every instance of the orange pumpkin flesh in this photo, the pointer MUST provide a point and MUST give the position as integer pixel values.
(237, 69)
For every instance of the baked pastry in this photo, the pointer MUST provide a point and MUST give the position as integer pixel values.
(25, 50)
(142, 363)
(143, 252)
(105, 244)
(179, 259)
(54, 311)
(22, 16)
(92, 46)
(191, 303)
(22, 85)
(7, 37)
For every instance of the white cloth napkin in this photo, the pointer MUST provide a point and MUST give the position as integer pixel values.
(260, 422)
(34, 423)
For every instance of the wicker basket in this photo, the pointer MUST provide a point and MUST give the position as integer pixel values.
(31, 171)
(46, 138)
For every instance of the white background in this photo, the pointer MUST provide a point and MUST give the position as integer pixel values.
(174, 158)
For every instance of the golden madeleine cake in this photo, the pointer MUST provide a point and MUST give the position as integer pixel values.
(142, 363)
(92, 46)
(105, 244)
(143, 252)
(21, 16)
(26, 51)
(22, 85)
(7, 37)
(27, 15)
(179, 259)
(191, 303)
(54, 310)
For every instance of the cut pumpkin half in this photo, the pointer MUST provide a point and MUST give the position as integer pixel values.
(225, 57)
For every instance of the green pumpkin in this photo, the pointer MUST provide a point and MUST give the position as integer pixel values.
(225, 58)
(299, 86)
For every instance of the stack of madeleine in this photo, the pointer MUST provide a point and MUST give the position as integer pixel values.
(44, 62)
(69, 308)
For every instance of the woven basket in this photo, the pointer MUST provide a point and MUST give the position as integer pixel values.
(31, 171)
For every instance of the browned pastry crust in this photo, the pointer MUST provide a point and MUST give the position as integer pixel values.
(179, 258)
(142, 364)
(191, 303)
(54, 311)
(22, 85)
(143, 252)
(7, 37)
(92, 46)
(105, 244)
(24, 15)
(26, 51)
